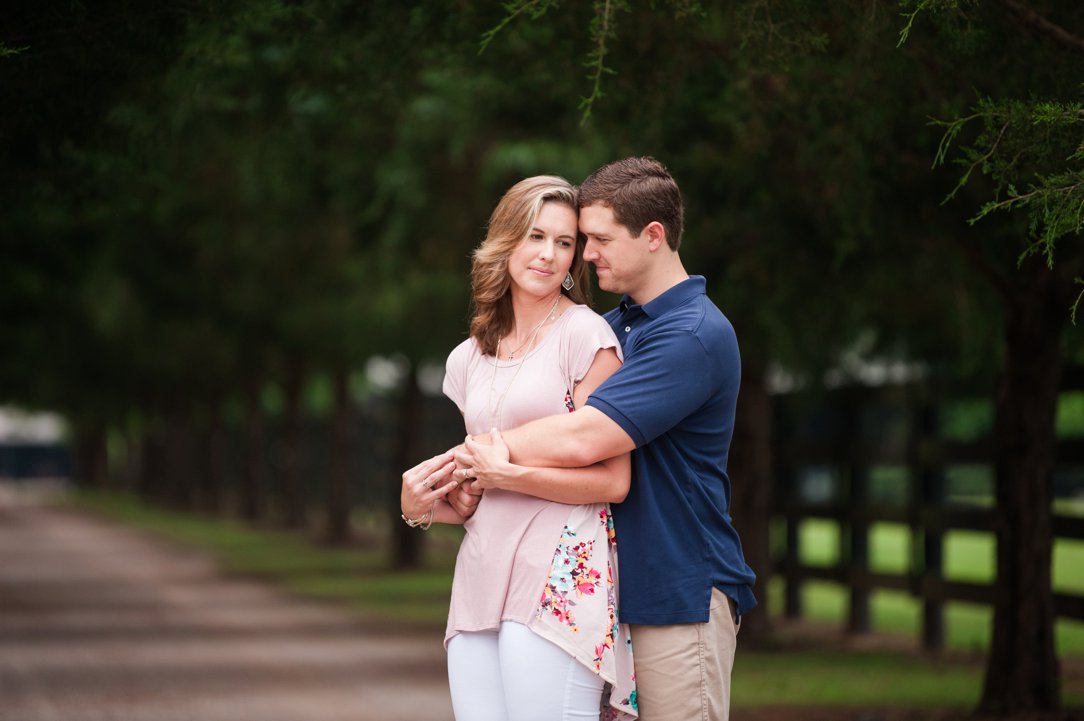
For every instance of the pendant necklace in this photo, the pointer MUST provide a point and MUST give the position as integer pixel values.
(534, 331)
(495, 409)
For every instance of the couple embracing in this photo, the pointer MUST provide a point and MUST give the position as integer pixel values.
(587, 434)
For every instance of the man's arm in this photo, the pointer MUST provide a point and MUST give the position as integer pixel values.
(669, 378)
(574, 440)
(488, 466)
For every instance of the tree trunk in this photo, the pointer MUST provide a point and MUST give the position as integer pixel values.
(750, 471)
(339, 468)
(1022, 669)
(213, 472)
(406, 542)
(154, 463)
(91, 456)
(180, 465)
(252, 468)
(292, 499)
(133, 472)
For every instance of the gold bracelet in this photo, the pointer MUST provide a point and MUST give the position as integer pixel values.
(423, 522)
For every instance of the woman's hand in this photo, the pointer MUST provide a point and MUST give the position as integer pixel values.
(485, 462)
(426, 483)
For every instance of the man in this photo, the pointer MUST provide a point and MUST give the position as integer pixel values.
(684, 581)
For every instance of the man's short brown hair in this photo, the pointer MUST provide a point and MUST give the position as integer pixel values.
(638, 191)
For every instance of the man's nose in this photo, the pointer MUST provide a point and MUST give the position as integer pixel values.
(590, 253)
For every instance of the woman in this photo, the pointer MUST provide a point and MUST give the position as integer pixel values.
(532, 630)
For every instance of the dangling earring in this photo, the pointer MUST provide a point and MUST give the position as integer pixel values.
(568, 282)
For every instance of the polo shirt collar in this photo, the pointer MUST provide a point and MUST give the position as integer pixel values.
(672, 298)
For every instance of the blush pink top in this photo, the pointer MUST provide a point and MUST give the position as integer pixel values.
(525, 559)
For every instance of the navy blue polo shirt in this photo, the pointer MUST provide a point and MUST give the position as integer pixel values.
(675, 396)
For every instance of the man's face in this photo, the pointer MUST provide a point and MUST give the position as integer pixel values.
(618, 256)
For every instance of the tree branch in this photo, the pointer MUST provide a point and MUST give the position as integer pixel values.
(1027, 16)
(1017, 199)
(513, 13)
(598, 57)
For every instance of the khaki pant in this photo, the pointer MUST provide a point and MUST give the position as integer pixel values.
(683, 670)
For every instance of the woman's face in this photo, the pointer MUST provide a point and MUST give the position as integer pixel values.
(539, 263)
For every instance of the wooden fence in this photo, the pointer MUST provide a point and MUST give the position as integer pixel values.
(850, 433)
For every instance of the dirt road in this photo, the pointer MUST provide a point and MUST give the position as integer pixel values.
(99, 622)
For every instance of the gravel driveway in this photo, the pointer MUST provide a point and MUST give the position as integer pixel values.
(98, 621)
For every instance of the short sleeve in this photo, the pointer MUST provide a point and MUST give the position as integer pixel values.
(584, 335)
(669, 377)
(455, 374)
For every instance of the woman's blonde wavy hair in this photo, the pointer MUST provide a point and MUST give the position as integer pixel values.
(509, 226)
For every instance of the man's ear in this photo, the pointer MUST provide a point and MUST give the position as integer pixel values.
(656, 235)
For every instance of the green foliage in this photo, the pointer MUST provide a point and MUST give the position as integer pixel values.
(1079, 297)
(7, 51)
(280, 182)
(967, 419)
(291, 179)
(1070, 415)
(603, 29)
(603, 32)
(1026, 142)
(533, 9)
(911, 9)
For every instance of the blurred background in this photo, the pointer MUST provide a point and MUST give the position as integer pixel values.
(234, 253)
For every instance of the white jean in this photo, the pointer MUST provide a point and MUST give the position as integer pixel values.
(516, 675)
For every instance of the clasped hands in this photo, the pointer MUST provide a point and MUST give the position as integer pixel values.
(460, 476)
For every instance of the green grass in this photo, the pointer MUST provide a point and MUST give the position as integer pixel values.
(359, 578)
(857, 679)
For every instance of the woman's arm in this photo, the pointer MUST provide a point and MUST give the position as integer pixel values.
(607, 480)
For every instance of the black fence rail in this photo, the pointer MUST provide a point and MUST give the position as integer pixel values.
(831, 447)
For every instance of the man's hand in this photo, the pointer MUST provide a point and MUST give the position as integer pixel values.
(484, 460)
(464, 499)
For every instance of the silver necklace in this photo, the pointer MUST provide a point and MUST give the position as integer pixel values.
(495, 409)
(534, 331)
